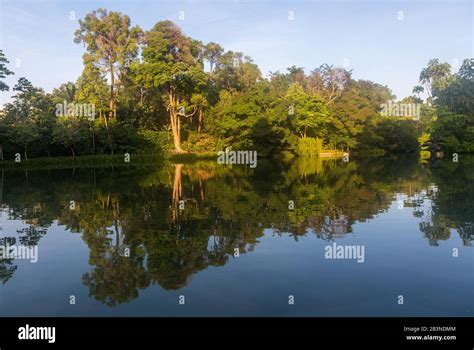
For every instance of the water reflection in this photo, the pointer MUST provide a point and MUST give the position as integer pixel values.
(163, 224)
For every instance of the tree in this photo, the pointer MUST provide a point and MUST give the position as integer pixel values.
(212, 53)
(171, 70)
(433, 74)
(391, 136)
(69, 131)
(457, 92)
(354, 110)
(296, 75)
(92, 89)
(309, 112)
(24, 133)
(4, 135)
(451, 122)
(199, 102)
(254, 120)
(27, 115)
(235, 72)
(328, 81)
(65, 92)
(418, 89)
(91, 85)
(4, 71)
(111, 43)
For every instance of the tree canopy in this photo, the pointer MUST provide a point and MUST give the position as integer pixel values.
(159, 90)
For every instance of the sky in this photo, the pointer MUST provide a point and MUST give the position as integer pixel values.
(384, 41)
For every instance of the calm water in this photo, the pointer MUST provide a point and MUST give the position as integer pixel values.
(120, 242)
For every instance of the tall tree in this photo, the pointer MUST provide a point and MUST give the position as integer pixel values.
(29, 115)
(4, 71)
(235, 72)
(92, 88)
(433, 73)
(171, 69)
(308, 112)
(65, 92)
(328, 81)
(69, 131)
(212, 53)
(112, 45)
(418, 89)
(199, 102)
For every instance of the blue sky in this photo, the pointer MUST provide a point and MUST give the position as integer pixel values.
(37, 36)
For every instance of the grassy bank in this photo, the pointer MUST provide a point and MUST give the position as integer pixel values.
(135, 160)
(143, 159)
(94, 161)
(191, 157)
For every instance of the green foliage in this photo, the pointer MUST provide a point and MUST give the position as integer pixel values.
(66, 92)
(353, 112)
(251, 120)
(111, 44)
(28, 118)
(156, 140)
(200, 143)
(4, 71)
(308, 113)
(450, 120)
(390, 136)
(452, 132)
(202, 98)
(92, 87)
(308, 146)
(69, 132)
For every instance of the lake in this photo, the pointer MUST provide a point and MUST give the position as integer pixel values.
(303, 237)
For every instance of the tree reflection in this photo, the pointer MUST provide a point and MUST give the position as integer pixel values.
(7, 268)
(138, 232)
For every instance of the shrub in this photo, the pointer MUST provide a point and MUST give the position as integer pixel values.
(200, 143)
(156, 140)
(308, 146)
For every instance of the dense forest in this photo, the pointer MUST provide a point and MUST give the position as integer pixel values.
(159, 91)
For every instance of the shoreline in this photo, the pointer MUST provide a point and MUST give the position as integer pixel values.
(142, 159)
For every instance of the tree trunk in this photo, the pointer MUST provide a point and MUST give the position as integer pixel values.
(1, 152)
(176, 127)
(200, 121)
(201, 189)
(111, 100)
(93, 137)
(175, 122)
(108, 136)
(26, 153)
(93, 142)
(73, 153)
